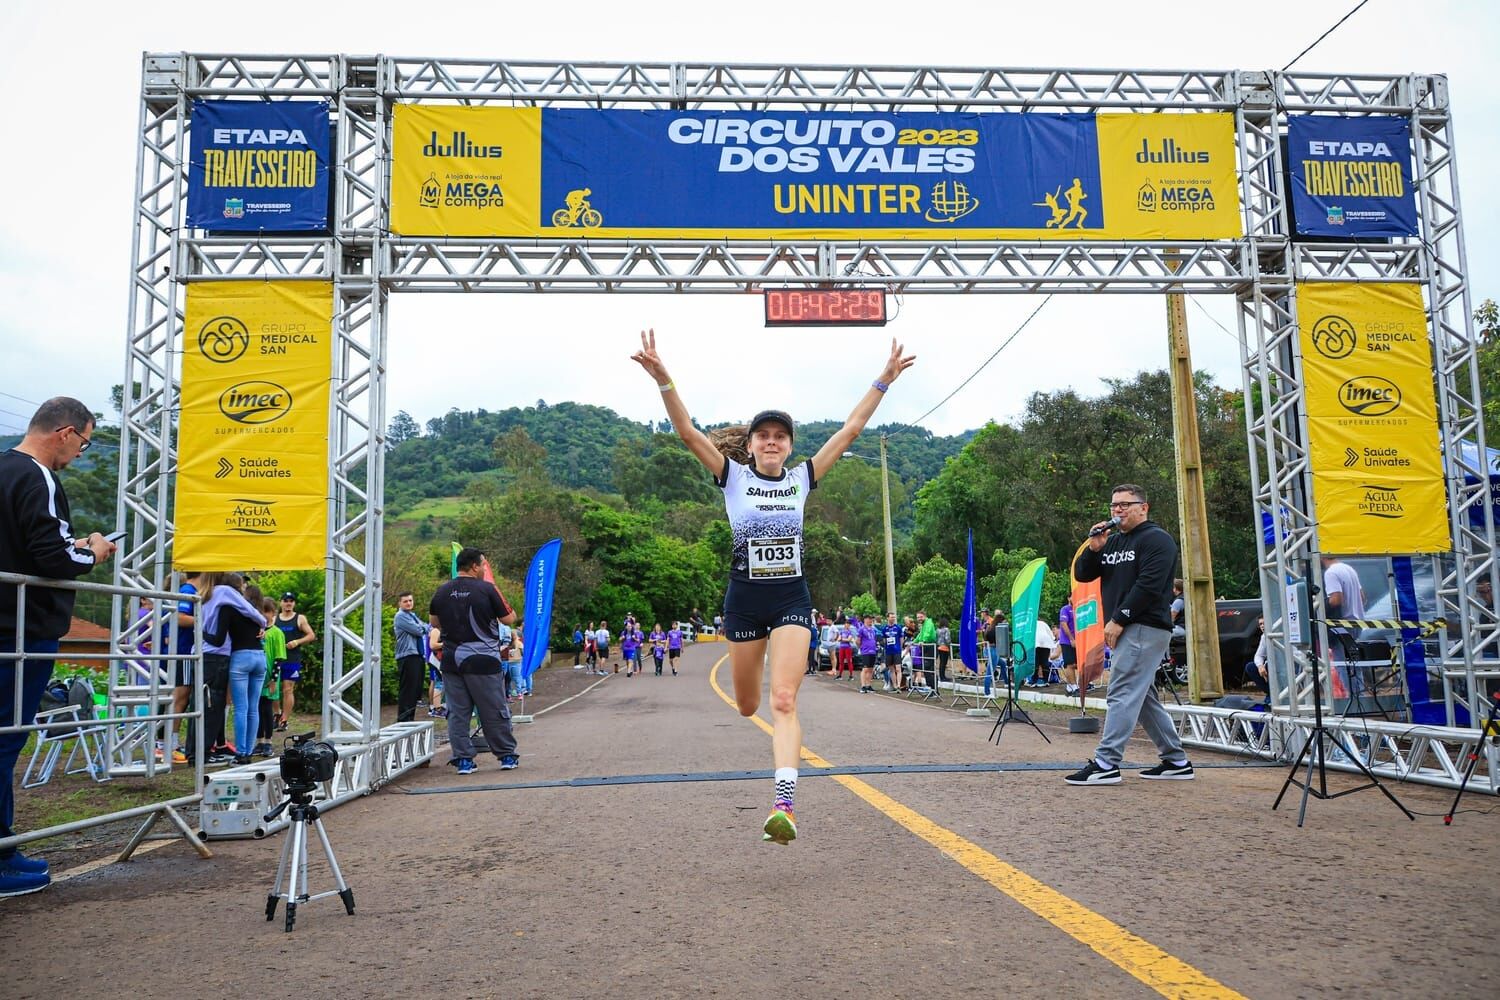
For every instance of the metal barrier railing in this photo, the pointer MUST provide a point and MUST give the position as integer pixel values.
(138, 705)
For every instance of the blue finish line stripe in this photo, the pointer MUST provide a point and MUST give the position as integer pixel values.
(806, 772)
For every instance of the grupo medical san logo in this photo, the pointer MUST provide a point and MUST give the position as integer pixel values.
(1370, 396)
(223, 339)
(1334, 337)
(255, 402)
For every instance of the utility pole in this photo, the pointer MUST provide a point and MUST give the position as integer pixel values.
(890, 555)
(1205, 676)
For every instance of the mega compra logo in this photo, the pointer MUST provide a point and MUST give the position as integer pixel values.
(223, 339)
(255, 402)
(1369, 396)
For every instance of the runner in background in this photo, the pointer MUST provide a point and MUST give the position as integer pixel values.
(674, 645)
(658, 646)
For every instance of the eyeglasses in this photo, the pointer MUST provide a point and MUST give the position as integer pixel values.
(87, 442)
(1123, 504)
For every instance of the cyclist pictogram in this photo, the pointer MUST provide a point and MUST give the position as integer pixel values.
(579, 212)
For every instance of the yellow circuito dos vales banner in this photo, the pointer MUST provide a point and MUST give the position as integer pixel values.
(1372, 424)
(619, 174)
(252, 470)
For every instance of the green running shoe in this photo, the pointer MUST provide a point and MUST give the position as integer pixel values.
(780, 827)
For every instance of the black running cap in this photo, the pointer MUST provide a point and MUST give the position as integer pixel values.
(777, 417)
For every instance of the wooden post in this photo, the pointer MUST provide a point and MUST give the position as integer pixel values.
(1205, 677)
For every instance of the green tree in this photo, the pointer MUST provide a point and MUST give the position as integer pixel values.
(661, 468)
(1487, 320)
(832, 565)
(402, 428)
(994, 589)
(936, 587)
(864, 604)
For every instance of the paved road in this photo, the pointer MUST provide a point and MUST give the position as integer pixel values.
(901, 885)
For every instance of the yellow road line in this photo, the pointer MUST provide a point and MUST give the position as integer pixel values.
(1165, 973)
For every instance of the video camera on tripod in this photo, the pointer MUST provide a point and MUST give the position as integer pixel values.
(307, 763)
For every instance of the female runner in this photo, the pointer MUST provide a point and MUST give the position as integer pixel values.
(767, 600)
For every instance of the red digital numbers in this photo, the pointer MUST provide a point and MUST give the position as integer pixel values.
(824, 307)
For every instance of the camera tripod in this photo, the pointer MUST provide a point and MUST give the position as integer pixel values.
(293, 865)
(1012, 708)
(1313, 749)
(1490, 730)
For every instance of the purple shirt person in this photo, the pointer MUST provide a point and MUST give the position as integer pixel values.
(1065, 624)
(674, 638)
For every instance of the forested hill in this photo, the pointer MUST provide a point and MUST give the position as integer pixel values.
(580, 441)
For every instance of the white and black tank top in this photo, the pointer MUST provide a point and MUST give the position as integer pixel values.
(765, 516)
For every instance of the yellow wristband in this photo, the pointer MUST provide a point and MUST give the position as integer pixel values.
(668, 387)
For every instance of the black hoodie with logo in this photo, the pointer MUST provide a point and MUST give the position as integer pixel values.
(1135, 573)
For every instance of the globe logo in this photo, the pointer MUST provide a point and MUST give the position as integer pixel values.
(951, 201)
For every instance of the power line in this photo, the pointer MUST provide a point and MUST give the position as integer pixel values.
(1325, 35)
(987, 361)
(21, 398)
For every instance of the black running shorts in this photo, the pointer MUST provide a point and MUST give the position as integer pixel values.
(752, 610)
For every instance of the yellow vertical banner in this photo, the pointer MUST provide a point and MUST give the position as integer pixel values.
(252, 446)
(1372, 426)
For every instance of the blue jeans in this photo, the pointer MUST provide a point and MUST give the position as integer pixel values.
(514, 683)
(247, 675)
(34, 677)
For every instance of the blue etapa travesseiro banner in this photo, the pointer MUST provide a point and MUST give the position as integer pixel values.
(259, 166)
(1351, 176)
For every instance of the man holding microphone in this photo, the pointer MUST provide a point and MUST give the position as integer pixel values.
(1134, 566)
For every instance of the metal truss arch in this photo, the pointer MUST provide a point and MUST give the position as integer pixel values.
(367, 264)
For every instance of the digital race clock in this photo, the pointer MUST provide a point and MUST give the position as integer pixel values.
(825, 307)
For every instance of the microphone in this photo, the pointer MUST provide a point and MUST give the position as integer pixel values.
(1104, 528)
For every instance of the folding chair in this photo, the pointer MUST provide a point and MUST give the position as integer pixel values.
(67, 723)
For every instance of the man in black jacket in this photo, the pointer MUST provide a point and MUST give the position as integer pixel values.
(36, 539)
(1134, 567)
(466, 613)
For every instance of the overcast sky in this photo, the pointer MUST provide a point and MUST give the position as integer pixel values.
(71, 145)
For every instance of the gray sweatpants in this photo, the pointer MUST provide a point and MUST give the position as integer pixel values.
(462, 693)
(1131, 697)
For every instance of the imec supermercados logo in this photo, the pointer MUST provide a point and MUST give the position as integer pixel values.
(1334, 337)
(1370, 396)
(255, 402)
(223, 339)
